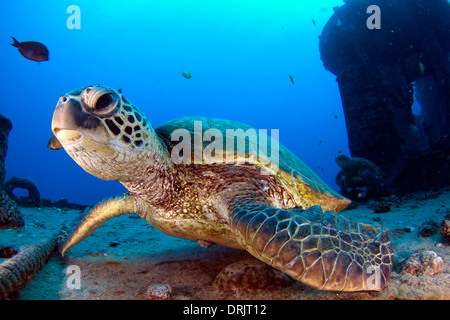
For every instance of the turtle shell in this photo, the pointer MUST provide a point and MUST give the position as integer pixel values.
(253, 148)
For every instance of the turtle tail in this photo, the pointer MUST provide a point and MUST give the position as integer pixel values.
(320, 249)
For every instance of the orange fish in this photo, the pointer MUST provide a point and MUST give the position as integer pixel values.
(32, 50)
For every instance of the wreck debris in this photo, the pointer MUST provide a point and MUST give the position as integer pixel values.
(15, 271)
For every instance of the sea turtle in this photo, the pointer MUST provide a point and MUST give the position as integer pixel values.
(275, 213)
(360, 172)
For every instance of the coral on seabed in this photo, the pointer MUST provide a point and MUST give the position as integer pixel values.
(445, 231)
(7, 252)
(428, 229)
(158, 292)
(381, 207)
(426, 263)
(10, 216)
(248, 276)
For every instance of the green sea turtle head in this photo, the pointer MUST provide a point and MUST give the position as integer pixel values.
(104, 132)
(342, 160)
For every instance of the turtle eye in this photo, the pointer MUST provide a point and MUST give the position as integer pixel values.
(99, 101)
(103, 102)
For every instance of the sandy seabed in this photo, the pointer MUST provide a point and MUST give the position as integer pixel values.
(125, 256)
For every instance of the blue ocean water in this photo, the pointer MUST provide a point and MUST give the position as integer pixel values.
(240, 55)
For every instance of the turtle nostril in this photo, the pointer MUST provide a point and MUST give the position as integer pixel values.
(63, 99)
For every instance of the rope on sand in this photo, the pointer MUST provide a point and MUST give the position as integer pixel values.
(15, 271)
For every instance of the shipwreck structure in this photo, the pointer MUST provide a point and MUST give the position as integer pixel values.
(381, 73)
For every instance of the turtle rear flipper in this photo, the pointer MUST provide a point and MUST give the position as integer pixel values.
(322, 250)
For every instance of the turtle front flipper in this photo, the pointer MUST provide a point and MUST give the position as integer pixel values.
(323, 250)
(102, 212)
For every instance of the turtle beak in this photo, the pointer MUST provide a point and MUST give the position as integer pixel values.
(74, 127)
(63, 114)
(64, 124)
